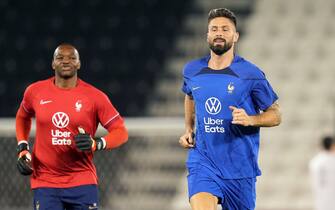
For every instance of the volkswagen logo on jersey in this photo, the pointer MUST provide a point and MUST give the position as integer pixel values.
(60, 119)
(213, 125)
(213, 105)
(59, 137)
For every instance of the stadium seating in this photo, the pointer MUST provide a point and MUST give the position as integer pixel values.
(123, 45)
(294, 35)
(150, 174)
(292, 41)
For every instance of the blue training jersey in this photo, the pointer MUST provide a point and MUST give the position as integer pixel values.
(231, 151)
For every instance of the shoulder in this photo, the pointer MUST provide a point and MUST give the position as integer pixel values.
(194, 66)
(318, 161)
(246, 69)
(92, 91)
(39, 85)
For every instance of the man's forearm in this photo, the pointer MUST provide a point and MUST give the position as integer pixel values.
(269, 118)
(23, 125)
(189, 114)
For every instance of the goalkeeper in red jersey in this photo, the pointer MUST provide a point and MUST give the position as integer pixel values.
(67, 112)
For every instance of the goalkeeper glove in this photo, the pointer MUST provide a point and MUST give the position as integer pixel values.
(24, 159)
(85, 142)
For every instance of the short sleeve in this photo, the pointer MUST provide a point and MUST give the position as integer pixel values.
(27, 101)
(263, 94)
(106, 111)
(185, 87)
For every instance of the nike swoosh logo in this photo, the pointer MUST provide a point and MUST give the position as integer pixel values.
(44, 102)
(195, 88)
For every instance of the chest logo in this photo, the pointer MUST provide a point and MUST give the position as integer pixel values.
(45, 102)
(230, 87)
(213, 105)
(78, 105)
(60, 119)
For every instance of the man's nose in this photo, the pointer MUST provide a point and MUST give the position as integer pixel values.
(66, 60)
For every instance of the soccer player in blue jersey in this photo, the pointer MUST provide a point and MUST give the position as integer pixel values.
(227, 100)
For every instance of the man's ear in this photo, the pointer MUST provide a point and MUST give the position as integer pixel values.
(78, 65)
(236, 36)
(53, 65)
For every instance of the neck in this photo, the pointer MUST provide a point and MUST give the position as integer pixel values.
(218, 62)
(66, 83)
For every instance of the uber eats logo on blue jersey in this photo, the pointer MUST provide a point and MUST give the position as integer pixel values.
(213, 107)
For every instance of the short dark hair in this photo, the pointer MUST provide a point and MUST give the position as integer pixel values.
(222, 12)
(327, 142)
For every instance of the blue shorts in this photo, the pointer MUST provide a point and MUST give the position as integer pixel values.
(233, 194)
(74, 198)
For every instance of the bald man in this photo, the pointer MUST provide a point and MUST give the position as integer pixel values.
(67, 112)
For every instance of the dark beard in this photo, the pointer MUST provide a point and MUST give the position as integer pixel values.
(65, 76)
(219, 49)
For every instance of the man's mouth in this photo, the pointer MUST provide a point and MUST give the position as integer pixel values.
(66, 68)
(219, 40)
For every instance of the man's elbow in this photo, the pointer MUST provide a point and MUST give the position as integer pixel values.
(278, 118)
(124, 135)
(275, 113)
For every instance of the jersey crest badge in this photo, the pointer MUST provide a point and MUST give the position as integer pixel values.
(37, 205)
(78, 106)
(230, 88)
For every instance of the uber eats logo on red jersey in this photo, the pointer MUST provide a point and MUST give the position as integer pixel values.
(213, 125)
(60, 120)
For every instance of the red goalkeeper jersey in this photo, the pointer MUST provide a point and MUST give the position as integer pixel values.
(59, 113)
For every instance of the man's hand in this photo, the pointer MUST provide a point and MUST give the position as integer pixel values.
(240, 117)
(24, 159)
(85, 142)
(187, 140)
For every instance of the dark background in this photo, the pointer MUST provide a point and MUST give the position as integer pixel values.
(122, 44)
